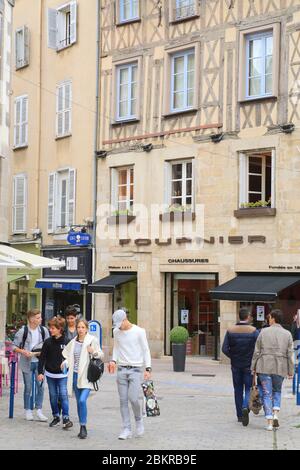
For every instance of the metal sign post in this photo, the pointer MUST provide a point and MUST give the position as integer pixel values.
(12, 388)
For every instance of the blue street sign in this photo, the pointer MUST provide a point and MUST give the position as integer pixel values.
(95, 329)
(79, 239)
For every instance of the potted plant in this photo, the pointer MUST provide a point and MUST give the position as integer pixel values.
(178, 337)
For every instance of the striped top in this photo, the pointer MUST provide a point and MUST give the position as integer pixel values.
(77, 352)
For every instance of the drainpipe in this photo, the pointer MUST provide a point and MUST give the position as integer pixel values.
(95, 159)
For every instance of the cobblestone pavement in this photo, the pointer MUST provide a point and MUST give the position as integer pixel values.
(197, 412)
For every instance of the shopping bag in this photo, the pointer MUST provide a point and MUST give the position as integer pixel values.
(150, 400)
(255, 404)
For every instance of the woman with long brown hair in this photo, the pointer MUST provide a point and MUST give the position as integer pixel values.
(77, 354)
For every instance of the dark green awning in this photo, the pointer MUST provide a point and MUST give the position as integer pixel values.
(254, 287)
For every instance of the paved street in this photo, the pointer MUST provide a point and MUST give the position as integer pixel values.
(196, 413)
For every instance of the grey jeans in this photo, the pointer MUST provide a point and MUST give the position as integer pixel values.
(129, 387)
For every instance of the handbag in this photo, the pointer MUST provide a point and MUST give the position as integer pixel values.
(150, 400)
(255, 404)
(95, 371)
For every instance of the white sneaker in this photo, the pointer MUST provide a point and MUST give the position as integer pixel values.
(125, 434)
(269, 427)
(139, 429)
(275, 420)
(28, 415)
(40, 416)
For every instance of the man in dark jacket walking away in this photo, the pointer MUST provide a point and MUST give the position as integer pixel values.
(239, 344)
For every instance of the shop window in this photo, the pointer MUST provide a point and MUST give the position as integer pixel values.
(257, 186)
(123, 190)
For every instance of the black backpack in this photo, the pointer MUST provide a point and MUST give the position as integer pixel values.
(25, 334)
(95, 371)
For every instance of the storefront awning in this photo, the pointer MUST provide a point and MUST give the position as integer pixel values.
(27, 259)
(6, 262)
(60, 284)
(108, 284)
(16, 277)
(254, 288)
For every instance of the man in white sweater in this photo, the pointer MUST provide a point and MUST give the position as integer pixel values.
(130, 354)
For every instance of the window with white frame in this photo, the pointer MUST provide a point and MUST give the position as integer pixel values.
(64, 109)
(259, 65)
(127, 89)
(184, 9)
(182, 80)
(61, 200)
(129, 10)
(19, 203)
(180, 184)
(62, 26)
(123, 189)
(257, 176)
(22, 47)
(21, 122)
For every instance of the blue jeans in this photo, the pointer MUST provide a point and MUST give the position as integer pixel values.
(58, 394)
(39, 388)
(242, 383)
(82, 395)
(271, 386)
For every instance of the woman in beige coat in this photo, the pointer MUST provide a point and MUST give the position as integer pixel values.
(77, 354)
(273, 361)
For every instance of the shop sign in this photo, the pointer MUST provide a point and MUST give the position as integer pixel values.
(188, 260)
(79, 239)
(260, 313)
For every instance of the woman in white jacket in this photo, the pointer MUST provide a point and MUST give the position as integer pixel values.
(77, 354)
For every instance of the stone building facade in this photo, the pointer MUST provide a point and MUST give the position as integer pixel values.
(6, 16)
(200, 114)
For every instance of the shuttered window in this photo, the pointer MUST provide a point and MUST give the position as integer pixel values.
(63, 109)
(127, 92)
(61, 200)
(21, 122)
(19, 203)
(22, 47)
(62, 26)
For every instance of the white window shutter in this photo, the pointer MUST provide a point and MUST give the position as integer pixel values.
(26, 45)
(59, 110)
(114, 177)
(72, 197)
(67, 108)
(19, 48)
(17, 122)
(52, 28)
(273, 183)
(51, 202)
(243, 180)
(167, 183)
(73, 11)
(19, 209)
(24, 121)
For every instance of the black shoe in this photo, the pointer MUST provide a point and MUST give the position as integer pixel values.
(83, 433)
(67, 423)
(245, 417)
(240, 419)
(55, 422)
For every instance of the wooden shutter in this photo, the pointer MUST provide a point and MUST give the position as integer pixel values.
(51, 202)
(60, 110)
(26, 45)
(71, 198)
(52, 28)
(114, 178)
(273, 181)
(67, 107)
(243, 180)
(19, 48)
(24, 121)
(167, 183)
(73, 12)
(19, 208)
(18, 104)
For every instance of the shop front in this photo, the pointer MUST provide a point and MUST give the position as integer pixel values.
(188, 304)
(68, 285)
(261, 293)
(22, 294)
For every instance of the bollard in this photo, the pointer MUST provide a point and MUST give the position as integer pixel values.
(12, 388)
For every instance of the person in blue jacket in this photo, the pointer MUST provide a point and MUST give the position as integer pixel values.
(238, 345)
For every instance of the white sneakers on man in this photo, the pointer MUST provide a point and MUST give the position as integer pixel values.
(125, 434)
(28, 415)
(139, 428)
(40, 416)
(269, 427)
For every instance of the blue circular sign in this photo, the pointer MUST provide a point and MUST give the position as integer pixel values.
(79, 239)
